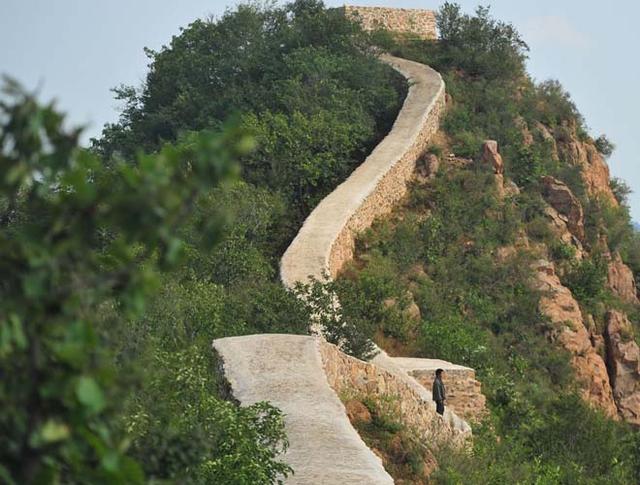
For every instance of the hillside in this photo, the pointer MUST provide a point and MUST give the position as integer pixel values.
(519, 264)
(259, 150)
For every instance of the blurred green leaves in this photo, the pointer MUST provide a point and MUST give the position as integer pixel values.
(74, 234)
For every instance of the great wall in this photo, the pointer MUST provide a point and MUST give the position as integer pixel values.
(304, 375)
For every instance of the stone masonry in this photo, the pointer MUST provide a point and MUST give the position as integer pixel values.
(417, 22)
(464, 392)
(350, 376)
(326, 240)
(288, 370)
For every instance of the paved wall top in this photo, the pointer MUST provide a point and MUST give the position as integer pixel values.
(287, 371)
(326, 240)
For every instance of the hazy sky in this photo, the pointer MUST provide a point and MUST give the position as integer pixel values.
(76, 50)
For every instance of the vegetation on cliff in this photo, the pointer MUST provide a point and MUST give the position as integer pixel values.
(462, 248)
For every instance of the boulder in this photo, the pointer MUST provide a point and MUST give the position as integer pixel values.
(411, 311)
(620, 280)
(593, 167)
(427, 167)
(458, 162)
(546, 136)
(527, 137)
(624, 365)
(357, 412)
(491, 156)
(559, 226)
(560, 197)
(511, 189)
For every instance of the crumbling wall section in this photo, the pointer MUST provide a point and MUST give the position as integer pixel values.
(416, 22)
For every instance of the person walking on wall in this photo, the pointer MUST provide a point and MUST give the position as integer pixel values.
(439, 392)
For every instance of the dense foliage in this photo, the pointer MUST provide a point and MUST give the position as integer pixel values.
(77, 240)
(300, 79)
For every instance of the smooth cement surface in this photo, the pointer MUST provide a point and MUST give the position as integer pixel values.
(287, 370)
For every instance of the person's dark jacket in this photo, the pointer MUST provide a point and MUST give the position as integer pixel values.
(439, 392)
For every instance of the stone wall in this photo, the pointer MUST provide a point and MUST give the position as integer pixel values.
(389, 190)
(326, 240)
(288, 372)
(464, 392)
(417, 22)
(350, 376)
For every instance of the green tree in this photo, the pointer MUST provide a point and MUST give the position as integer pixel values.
(480, 45)
(76, 235)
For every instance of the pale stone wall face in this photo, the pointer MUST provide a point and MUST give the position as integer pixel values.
(464, 393)
(421, 23)
(348, 375)
(390, 189)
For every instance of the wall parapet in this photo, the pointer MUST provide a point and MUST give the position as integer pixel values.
(348, 375)
(464, 392)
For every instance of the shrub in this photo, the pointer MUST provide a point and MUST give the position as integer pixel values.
(586, 278)
(621, 190)
(82, 238)
(209, 440)
(604, 145)
(479, 45)
(351, 334)
(562, 252)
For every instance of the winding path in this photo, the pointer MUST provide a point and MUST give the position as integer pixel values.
(325, 241)
(287, 370)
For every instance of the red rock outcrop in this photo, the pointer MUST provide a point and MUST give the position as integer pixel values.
(545, 134)
(491, 156)
(620, 280)
(560, 197)
(559, 226)
(593, 168)
(624, 365)
(527, 136)
(568, 330)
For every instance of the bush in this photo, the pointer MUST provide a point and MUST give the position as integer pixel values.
(586, 278)
(209, 440)
(553, 106)
(455, 341)
(621, 190)
(480, 45)
(352, 335)
(604, 146)
(82, 242)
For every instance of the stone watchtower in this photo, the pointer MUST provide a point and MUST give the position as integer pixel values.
(414, 22)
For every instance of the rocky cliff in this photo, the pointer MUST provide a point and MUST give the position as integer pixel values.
(605, 355)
